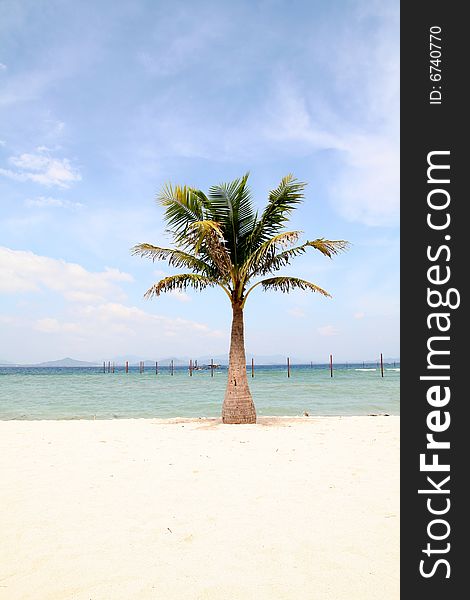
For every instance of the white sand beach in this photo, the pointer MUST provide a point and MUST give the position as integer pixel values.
(288, 509)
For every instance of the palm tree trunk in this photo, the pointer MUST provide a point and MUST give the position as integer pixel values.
(238, 404)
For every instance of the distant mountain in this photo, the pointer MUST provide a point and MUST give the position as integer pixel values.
(165, 362)
(66, 362)
(219, 359)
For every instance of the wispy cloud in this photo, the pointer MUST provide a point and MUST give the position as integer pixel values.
(42, 169)
(366, 185)
(180, 296)
(50, 325)
(296, 312)
(22, 271)
(94, 313)
(49, 202)
(328, 330)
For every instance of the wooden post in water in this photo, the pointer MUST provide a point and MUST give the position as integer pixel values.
(156, 368)
(288, 367)
(172, 366)
(127, 366)
(311, 364)
(331, 365)
(109, 367)
(212, 367)
(190, 367)
(104, 367)
(113, 367)
(381, 364)
(252, 367)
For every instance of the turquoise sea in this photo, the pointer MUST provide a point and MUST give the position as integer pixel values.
(87, 393)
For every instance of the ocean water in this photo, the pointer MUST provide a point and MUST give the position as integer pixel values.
(87, 393)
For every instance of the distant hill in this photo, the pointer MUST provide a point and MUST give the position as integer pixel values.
(219, 359)
(66, 362)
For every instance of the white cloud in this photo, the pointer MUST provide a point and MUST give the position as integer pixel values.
(49, 202)
(94, 317)
(44, 149)
(296, 312)
(359, 315)
(3, 67)
(180, 296)
(42, 169)
(83, 297)
(49, 325)
(183, 44)
(22, 271)
(328, 330)
(362, 127)
(366, 187)
(113, 319)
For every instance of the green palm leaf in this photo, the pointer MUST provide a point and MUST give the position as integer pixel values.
(282, 201)
(180, 282)
(183, 207)
(231, 206)
(176, 258)
(258, 262)
(287, 284)
(277, 261)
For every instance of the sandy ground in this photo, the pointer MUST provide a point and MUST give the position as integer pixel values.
(294, 509)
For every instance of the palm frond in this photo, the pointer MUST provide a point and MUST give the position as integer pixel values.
(282, 201)
(328, 247)
(206, 237)
(275, 262)
(180, 282)
(183, 207)
(287, 284)
(176, 258)
(258, 262)
(231, 206)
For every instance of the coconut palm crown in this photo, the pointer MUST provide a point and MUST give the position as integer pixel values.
(223, 241)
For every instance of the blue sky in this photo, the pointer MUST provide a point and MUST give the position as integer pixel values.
(101, 103)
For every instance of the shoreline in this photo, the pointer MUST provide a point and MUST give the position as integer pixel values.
(168, 420)
(288, 508)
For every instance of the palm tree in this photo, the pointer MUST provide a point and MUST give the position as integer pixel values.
(224, 242)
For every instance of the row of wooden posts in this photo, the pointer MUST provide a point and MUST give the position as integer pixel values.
(110, 367)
